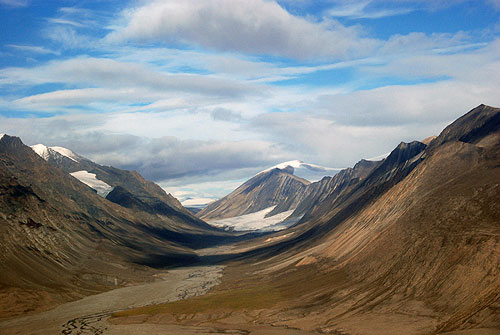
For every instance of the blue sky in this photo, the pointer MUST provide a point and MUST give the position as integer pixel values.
(200, 95)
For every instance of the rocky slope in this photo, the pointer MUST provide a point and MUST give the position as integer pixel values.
(412, 248)
(279, 186)
(153, 197)
(415, 239)
(60, 240)
(328, 187)
(290, 196)
(266, 189)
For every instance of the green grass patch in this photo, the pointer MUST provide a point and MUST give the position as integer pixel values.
(243, 298)
(252, 294)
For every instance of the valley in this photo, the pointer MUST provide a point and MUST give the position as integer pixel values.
(89, 315)
(250, 167)
(407, 244)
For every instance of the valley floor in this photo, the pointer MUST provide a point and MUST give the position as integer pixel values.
(89, 315)
(243, 299)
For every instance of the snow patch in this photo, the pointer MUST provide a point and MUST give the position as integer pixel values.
(284, 165)
(66, 152)
(90, 180)
(256, 221)
(41, 150)
(1, 136)
(45, 152)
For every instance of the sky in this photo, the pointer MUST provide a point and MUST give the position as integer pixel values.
(200, 95)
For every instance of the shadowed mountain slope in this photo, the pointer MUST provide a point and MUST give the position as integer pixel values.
(152, 196)
(59, 238)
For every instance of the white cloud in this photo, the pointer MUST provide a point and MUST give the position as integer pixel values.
(248, 26)
(119, 80)
(362, 10)
(424, 105)
(68, 38)
(14, 3)
(60, 98)
(417, 41)
(65, 21)
(33, 49)
(476, 65)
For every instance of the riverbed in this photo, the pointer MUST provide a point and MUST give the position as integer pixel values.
(88, 316)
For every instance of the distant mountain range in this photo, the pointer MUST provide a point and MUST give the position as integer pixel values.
(279, 191)
(282, 199)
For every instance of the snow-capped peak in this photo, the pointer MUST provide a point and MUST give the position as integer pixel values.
(311, 172)
(295, 164)
(1, 136)
(66, 152)
(45, 152)
(41, 150)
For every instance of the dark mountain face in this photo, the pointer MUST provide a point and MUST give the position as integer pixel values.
(316, 192)
(352, 189)
(473, 127)
(265, 190)
(58, 236)
(152, 197)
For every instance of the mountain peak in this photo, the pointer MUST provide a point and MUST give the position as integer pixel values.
(301, 169)
(11, 141)
(41, 150)
(46, 152)
(404, 151)
(472, 127)
(286, 169)
(285, 165)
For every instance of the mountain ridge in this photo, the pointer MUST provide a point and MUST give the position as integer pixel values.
(264, 190)
(49, 219)
(152, 196)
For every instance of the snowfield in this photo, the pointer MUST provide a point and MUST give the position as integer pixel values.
(256, 221)
(41, 150)
(45, 152)
(90, 180)
(66, 152)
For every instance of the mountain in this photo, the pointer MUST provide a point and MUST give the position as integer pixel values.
(409, 249)
(105, 179)
(60, 240)
(266, 189)
(409, 246)
(331, 187)
(280, 197)
(308, 171)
